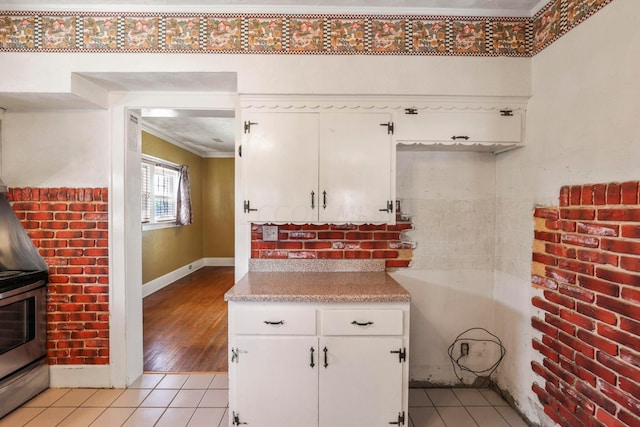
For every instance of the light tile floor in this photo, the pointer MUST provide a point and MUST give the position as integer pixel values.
(175, 400)
(460, 407)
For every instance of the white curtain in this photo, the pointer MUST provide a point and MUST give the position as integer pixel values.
(184, 215)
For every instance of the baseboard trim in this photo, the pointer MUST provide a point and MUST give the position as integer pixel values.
(162, 281)
(88, 376)
(219, 262)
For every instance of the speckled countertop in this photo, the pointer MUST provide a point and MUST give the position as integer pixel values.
(323, 287)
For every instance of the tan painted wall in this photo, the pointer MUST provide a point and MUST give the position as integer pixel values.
(218, 200)
(167, 249)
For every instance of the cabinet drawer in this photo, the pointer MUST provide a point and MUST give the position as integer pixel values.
(274, 321)
(361, 322)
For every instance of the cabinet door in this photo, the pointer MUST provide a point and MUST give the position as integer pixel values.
(459, 126)
(362, 382)
(355, 167)
(280, 164)
(272, 382)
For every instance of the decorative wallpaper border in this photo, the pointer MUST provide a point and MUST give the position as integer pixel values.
(559, 17)
(291, 34)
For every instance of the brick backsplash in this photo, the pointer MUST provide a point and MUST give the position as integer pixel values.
(586, 262)
(337, 241)
(69, 226)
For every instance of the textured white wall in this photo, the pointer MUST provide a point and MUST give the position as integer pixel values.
(286, 74)
(56, 149)
(582, 128)
(451, 199)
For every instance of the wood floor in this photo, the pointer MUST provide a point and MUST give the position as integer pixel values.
(185, 323)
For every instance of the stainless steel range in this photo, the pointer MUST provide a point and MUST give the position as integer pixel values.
(24, 371)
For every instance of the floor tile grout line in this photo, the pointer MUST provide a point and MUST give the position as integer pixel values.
(444, 421)
(471, 415)
(502, 416)
(76, 409)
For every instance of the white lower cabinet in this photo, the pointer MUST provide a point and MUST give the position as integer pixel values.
(349, 369)
(274, 383)
(361, 384)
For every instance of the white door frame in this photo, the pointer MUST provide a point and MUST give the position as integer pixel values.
(125, 236)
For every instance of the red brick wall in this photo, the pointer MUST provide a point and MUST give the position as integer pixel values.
(69, 226)
(586, 261)
(331, 241)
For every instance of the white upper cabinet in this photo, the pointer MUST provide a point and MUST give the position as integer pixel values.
(306, 167)
(459, 126)
(280, 167)
(355, 168)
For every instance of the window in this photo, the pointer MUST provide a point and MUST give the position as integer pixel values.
(159, 191)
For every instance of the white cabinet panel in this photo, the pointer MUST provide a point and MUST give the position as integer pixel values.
(277, 320)
(361, 322)
(280, 166)
(361, 381)
(355, 167)
(274, 382)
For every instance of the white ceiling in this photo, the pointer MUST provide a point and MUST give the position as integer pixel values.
(203, 132)
(208, 133)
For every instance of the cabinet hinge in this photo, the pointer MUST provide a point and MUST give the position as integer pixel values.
(389, 126)
(236, 419)
(247, 126)
(411, 111)
(400, 421)
(507, 112)
(389, 208)
(235, 354)
(247, 207)
(402, 354)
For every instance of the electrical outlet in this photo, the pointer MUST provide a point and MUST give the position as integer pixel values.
(270, 233)
(464, 349)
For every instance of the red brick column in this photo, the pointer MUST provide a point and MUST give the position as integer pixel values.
(586, 261)
(69, 226)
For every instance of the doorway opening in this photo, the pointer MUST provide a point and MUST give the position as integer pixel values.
(187, 269)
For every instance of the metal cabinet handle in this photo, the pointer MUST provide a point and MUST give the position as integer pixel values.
(326, 362)
(324, 200)
(455, 138)
(281, 322)
(312, 364)
(313, 200)
(355, 322)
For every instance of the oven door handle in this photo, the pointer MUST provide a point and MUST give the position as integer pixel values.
(23, 289)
